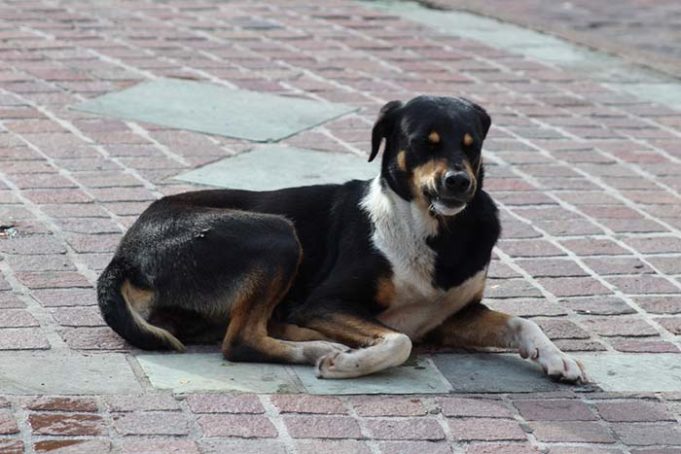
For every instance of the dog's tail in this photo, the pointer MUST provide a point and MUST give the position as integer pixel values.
(122, 317)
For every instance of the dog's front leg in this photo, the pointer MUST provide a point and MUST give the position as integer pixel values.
(376, 346)
(479, 326)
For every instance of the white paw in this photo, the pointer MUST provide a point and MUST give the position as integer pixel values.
(556, 364)
(338, 365)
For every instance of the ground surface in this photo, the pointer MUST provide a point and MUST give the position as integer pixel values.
(647, 32)
(588, 182)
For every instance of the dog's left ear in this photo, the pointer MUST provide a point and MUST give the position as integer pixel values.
(483, 116)
(384, 126)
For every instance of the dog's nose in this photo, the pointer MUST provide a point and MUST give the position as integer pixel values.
(457, 182)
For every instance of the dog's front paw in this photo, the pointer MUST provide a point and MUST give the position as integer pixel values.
(337, 365)
(557, 365)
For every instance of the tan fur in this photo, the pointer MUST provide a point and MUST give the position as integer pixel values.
(426, 176)
(402, 160)
(385, 292)
(140, 302)
(289, 331)
(467, 140)
(434, 137)
(477, 326)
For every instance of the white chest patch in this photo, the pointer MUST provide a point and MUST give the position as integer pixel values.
(400, 232)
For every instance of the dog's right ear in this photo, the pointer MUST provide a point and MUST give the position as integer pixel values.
(383, 126)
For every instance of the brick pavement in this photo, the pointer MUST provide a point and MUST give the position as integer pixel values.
(646, 32)
(588, 182)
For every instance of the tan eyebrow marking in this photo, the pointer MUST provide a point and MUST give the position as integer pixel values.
(467, 140)
(402, 160)
(434, 137)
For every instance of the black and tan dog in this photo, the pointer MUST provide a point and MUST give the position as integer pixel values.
(344, 277)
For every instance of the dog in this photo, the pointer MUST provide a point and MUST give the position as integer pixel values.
(343, 277)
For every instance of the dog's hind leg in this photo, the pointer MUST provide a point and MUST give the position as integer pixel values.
(377, 347)
(247, 337)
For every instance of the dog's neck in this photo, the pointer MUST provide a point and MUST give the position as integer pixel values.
(389, 211)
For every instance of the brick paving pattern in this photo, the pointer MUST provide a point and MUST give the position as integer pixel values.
(588, 182)
(646, 32)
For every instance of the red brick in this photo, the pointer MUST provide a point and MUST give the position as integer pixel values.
(554, 410)
(405, 429)
(561, 329)
(16, 319)
(52, 279)
(388, 406)
(571, 431)
(457, 406)
(8, 425)
(598, 306)
(151, 423)
(240, 426)
(66, 297)
(242, 446)
(73, 446)
(592, 246)
(11, 446)
(78, 316)
(32, 245)
(660, 304)
(63, 404)
(223, 403)
(485, 429)
(671, 324)
(619, 326)
(573, 286)
(322, 427)
(530, 248)
(633, 411)
(303, 403)
(70, 424)
(551, 268)
(643, 285)
(643, 345)
(92, 339)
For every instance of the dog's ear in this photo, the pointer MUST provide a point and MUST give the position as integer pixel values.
(383, 126)
(483, 116)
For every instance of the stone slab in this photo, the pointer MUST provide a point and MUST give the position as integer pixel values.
(634, 372)
(272, 166)
(191, 372)
(58, 373)
(492, 373)
(213, 109)
(417, 376)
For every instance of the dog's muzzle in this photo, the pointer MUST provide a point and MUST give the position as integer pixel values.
(454, 192)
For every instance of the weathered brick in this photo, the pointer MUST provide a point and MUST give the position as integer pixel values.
(156, 446)
(8, 425)
(639, 434)
(457, 406)
(302, 403)
(151, 423)
(405, 429)
(240, 426)
(633, 411)
(142, 402)
(222, 403)
(73, 446)
(63, 404)
(322, 427)
(571, 431)
(486, 429)
(554, 410)
(83, 424)
(388, 406)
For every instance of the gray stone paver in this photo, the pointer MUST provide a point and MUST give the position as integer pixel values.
(582, 173)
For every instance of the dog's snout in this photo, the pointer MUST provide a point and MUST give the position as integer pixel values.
(457, 182)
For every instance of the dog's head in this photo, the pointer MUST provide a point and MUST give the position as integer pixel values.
(432, 150)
